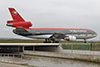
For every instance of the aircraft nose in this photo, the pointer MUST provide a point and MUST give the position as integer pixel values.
(95, 34)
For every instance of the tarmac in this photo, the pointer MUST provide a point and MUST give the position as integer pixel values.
(10, 65)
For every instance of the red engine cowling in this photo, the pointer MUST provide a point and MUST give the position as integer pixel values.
(19, 24)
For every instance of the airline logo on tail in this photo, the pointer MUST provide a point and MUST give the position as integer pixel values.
(17, 21)
(14, 13)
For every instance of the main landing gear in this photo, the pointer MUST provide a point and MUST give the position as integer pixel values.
(47, 41)
(54, 41)
(50, 41)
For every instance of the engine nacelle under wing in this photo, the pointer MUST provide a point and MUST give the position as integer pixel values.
(70, 38)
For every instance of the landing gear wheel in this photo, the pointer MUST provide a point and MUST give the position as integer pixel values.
(47, 41)
(53, 41)
(56, 41)
(85, 41)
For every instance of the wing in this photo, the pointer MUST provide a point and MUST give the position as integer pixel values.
(58, 36)
(63, 36)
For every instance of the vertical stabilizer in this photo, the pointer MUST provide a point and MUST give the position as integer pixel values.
(17, 21)
(15, 15)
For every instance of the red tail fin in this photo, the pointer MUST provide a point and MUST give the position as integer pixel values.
(15, 15)
(17, 21)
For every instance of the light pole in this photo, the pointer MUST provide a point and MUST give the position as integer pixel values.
(71, 46)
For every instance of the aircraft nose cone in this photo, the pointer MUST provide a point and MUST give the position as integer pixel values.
(95, 34)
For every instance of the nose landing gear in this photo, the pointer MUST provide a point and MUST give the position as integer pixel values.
(85, 41)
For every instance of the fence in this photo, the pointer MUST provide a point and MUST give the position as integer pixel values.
(82, 46)
(95, 46)
(12, 58)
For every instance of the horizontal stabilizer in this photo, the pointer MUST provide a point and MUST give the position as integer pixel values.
(20, 30)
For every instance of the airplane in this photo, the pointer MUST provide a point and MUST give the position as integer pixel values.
(54, 35)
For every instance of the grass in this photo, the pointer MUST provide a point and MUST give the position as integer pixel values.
(88, 60)
(35, 41)
(28, 65)
(82, 46)
(78, 46)
(19, 41)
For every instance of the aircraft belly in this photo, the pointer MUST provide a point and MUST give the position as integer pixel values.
(40, 36)
(84, 36)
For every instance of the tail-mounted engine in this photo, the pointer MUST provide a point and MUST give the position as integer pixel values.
(23, 24)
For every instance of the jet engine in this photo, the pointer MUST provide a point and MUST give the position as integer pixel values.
(19, 24)
(70, 38)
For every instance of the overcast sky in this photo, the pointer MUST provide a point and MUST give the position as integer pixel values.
(52, 13)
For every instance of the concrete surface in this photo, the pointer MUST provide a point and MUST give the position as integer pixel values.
(62, 55)
(29, 44)
(10, 65)
(20, 47)
(50, 49)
